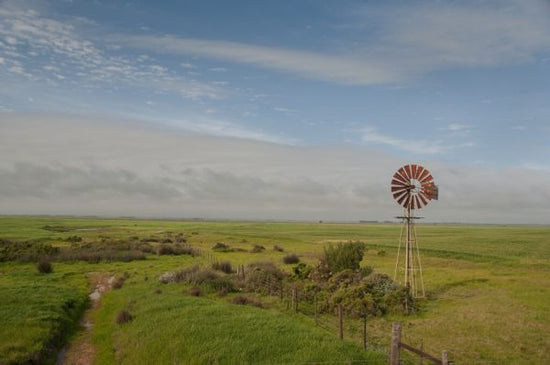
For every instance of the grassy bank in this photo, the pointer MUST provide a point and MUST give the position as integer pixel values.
(38, 311)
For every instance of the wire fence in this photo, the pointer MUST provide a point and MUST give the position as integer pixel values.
(314, 307)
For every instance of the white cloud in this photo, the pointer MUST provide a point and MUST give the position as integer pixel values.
(67, 54)
(434, 35)
(458, 127)
(284, 110)
(69, 165)
(411, 39)
(219, 127)
(343, 69)
(372, 136)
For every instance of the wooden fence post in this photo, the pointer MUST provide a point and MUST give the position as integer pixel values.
(315, 303)
(340, 321)
(444, 358)
(295, 299)
(395, 341)
(364, 332)
(421, 358)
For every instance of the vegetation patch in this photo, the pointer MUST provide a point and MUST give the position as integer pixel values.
(222, 247)
(257, 249)
(124, 317)
(244, 300)
(44, 267)
(224, 266)
(291, 259)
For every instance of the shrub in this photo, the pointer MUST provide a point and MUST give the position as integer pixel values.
(257, 248)
(220, 246)
(158, 291)
(291, 259)
(366, 271)
(96, 254)
(381, 253)
(196, 276)
(54, 228)
(73, 239)
(176, 249)
(165, 250)
(344, 256)
(240, 299)
(196, 292)
(26, 251)
(224, 266)
(118, 283)
(302, 271)
(263, 277)
(278, 248)
(44, 267)
(123, 317)
(181, 239)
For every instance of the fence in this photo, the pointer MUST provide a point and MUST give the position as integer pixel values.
(292, 297)
(397, 345)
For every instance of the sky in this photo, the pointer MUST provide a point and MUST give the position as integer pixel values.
(290, 110)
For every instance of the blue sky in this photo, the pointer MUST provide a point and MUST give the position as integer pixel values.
(459, 84)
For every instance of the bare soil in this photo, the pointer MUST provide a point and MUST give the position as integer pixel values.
(81, 351)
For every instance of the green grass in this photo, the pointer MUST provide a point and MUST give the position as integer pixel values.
(173, 327)
(488, 289)
(38, 310)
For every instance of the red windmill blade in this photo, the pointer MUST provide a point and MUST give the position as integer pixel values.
(413, 186)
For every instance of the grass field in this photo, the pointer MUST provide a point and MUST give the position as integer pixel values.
(488, 293)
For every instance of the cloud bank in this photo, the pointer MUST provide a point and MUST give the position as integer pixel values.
(72, 165)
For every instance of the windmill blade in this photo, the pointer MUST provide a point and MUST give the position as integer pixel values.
(414, 171)
(409, 172)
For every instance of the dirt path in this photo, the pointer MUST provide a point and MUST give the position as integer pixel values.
(81, 351)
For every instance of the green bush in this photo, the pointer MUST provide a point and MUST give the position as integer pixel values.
(302, 271)
(344, 256)
(262, 277)
(26, 251)
(123, 317)
(224, 266)
(222, 247)
(44, 267)
(291, 259)
(257, 248)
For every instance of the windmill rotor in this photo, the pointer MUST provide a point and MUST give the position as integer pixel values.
(413, 185)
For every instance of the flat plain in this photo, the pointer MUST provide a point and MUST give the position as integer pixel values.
(488, 295)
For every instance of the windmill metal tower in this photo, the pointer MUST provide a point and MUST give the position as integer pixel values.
(412, 187)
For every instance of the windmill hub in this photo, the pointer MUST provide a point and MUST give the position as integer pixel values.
(415, 186)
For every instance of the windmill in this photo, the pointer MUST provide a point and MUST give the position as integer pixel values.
(413, 187)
